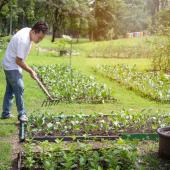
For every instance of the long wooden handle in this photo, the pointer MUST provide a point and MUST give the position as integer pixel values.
(44, 89)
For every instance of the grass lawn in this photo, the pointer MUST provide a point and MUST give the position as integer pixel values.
(5, 159)
(34, 96)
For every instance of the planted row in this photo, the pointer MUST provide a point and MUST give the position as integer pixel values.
(46, 124)
(79, 156)
(128, 50)
(149, 84)
(67, 84)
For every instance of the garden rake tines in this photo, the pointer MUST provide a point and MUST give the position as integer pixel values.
(50, 101)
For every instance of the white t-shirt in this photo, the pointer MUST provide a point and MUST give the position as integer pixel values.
(19, 46)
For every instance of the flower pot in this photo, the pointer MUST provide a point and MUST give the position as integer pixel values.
(164, 142)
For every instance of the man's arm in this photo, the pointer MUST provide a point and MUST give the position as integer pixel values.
(25, 67)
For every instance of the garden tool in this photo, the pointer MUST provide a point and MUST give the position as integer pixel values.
(50, 101)
(22, 131)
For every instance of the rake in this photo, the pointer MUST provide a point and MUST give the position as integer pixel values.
(50, 101)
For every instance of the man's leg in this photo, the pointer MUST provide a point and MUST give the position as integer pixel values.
(18, 89)
(16, 81)
(7, 102)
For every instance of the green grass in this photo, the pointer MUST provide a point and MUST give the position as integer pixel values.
(5, 150)
(34, 96)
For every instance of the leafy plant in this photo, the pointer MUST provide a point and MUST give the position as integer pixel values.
(97, 123)
(67, 84)
(149, 84)
(82, 156)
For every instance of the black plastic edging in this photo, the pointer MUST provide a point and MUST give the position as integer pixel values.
(74, 138)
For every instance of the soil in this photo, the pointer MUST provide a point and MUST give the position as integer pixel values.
(92, 133)
(16, 148)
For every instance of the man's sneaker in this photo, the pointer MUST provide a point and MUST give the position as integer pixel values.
(23, 118)
(7, 116)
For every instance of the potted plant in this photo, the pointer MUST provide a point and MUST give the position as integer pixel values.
(63, 44)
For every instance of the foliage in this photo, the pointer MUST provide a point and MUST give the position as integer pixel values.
(4, 42)
(160, 54)
(110, 50)
(107, 16)
(117, 155)
(96, 19)
(149, 84)
(67, 84)
(64, 42)
(163, 22)
(68, 17)
(137, 20)
(42, 124)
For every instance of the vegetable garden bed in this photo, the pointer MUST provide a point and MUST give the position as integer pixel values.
(155, 86)
(68, 85)
(86, 152)
(105, 155)
(96, 126)
(72, 156)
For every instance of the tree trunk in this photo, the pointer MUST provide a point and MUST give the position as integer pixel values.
(164, 4)
(54, 32)
(155, 10)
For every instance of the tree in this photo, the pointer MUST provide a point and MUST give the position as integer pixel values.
(106, 19)
(2, 3)
(136, 16)
(67, 16)
(26, 14)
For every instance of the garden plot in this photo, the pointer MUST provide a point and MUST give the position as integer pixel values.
(125, 50)
(67, 84)
(45, 125)
(105, 155)
(91, 154)
(77, 155)
(154, 85)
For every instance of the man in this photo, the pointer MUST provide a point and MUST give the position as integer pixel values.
(13, 63)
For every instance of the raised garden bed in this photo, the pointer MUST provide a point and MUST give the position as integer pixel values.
(94, 155)
(104, 155)
(95, 124)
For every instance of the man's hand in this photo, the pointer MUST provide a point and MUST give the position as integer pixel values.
(33, 74)
(24, 66)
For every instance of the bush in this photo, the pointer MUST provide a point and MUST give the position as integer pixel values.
(4, 42)
(160, 55)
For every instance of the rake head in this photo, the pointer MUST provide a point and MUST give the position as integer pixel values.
(49, 102)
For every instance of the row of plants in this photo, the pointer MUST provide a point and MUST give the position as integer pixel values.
(96, 124)
(92, 155)
(67, 84)
(154, 85)
(123, 51)
(107, 155)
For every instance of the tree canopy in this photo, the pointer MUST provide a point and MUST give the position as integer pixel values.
(95, 19)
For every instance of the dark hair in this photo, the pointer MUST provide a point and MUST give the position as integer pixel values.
(40, 26)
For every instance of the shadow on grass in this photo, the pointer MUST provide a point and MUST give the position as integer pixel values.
(152, 161)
